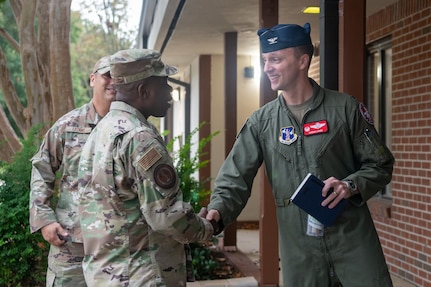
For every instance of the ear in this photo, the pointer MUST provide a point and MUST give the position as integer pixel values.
(142, 91)
(92, 79)
(304, 61)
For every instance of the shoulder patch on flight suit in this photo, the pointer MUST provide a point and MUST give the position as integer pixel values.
(149, 159)
(366, 114)
(164, 176)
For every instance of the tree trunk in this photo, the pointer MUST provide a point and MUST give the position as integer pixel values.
(61, 77)
(45, 60)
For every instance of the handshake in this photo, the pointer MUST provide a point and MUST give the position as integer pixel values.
(203, 213)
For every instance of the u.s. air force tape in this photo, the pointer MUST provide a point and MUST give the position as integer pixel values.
(164, 176)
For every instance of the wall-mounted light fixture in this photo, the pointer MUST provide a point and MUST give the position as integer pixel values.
(249, 72)
(176, 94)
(311, 10)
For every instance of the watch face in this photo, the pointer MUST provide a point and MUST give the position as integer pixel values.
(351, 184)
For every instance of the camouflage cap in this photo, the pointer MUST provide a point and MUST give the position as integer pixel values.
(132, 65)
(102, 65)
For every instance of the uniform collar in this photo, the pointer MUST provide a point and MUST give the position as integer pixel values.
(122, 106)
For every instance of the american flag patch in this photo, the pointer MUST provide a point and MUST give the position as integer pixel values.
(149, 159)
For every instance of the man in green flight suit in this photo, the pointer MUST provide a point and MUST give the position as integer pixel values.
(310, 129)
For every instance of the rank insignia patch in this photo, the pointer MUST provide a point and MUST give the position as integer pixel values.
(164, 176)
(288, 135)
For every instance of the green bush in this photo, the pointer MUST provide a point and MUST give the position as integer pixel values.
(23, 256)
(194, 192)
(203, 261)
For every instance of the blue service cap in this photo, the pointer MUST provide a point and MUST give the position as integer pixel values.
(284, 36)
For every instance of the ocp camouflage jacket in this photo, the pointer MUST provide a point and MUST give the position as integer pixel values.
(134, 222)
(59, 154)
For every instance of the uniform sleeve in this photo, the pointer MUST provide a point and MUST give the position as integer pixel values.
(161, 200)
(232, 186)
(45, 164)
(375, 159)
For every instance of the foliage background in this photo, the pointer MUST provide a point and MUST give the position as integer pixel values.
(23, 256)
(187, 164)
(46, 59)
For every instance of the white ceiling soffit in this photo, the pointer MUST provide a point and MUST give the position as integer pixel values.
(185, 29)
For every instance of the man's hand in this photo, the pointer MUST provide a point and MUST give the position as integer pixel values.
(341, 190)
(203, 212)
(52, 233)
(214, 217)
(213, 214)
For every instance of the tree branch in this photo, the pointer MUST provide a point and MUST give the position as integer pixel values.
(13, 103)
(16, 8)
(9, 142)
(10, 39)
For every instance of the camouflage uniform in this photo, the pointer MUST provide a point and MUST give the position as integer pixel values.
(59, 153)
(134, 222)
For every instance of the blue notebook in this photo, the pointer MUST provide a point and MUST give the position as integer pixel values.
(308, 196)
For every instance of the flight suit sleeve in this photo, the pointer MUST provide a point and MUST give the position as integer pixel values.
(375, 158)
(161, 200)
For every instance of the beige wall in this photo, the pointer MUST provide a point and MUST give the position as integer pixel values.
(247, 102)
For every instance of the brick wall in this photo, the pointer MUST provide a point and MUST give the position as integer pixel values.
(404, 225)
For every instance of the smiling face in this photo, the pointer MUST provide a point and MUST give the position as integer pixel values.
(157, 97)
(103, 88)
(284, 67)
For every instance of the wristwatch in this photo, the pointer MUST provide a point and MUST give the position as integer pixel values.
(351, 185)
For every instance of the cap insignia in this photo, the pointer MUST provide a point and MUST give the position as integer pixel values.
(273, 40)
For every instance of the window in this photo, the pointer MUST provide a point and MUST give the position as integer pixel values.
(379, 92)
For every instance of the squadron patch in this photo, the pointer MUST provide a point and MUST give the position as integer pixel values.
(366, 114)
(288, 135)
(150, 157)
(164, 176)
